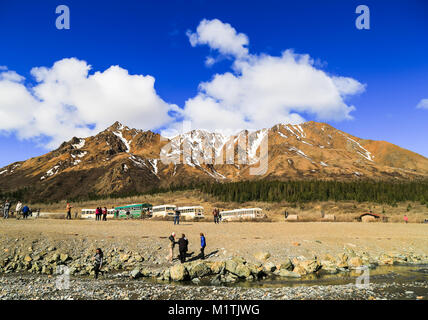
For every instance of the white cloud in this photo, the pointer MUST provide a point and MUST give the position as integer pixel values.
(262, 90)
(220, 36)
(423, 104)
(67, 101)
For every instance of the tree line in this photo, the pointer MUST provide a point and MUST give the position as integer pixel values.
(319, 190)
(299, 191)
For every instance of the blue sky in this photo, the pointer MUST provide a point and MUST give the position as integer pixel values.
(149, 38)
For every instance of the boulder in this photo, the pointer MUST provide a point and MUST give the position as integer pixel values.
(242, 271)
(355, 262)
(178, 273)
(53, 258)
(135, 274)
(307, 266)
(269, 267)
(28, 259)
(230, 266)
(239, 260)
(262, 255)
(217, 267)
(199, 270)
(286, 265)
(256, 270)
(64, 257)
(124, 257)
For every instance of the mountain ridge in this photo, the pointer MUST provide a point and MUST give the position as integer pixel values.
(123, 159)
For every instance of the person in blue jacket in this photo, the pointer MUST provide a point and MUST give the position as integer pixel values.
(25, 211)
(203, 245)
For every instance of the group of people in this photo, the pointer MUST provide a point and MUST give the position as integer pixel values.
(19, 209)
(216, 215)
(101, 212)
(183, 247)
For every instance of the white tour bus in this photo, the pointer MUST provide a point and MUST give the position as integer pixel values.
(237, 214)
(195, 212)
(165, 210)
(90, 213)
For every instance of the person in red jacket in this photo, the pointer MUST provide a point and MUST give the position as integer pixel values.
(104, 214)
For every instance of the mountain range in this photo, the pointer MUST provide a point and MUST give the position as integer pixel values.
(122, 159)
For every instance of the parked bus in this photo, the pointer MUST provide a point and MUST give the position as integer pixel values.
(237, 214)
(165, 210)
(90, 213)
(195, 212)
(141, 210)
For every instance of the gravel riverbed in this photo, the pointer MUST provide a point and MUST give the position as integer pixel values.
(36, 287)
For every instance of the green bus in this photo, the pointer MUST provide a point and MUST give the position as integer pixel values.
(141, 210)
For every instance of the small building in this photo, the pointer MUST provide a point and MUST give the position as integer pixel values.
(370, 217)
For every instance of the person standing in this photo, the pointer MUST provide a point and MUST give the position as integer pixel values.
(183, 244)
(69, 206)
(177, 216)
(406, 219)
(25, 211)
(6, 208)
(18, 209)
(215, 215)
(172, 244)
(104, 214)
(203, 245)
(98, 261)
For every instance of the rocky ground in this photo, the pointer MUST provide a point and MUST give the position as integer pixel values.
(45, 287)
(35, 253)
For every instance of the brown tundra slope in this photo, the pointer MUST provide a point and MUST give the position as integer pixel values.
(120, 159)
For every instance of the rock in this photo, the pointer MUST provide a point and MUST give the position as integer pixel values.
(269, 267)
(343, 260)
(199, 270)
(239, 260)
(242, 271)
(64, 257)
(196, 280)
(307, 266)
(286, 265)
(138, 258)
(135, 274)
(329, 267)
(289, 274)
(217, 267)
(124, 257)
(216, 280)
(256, 270)
(28, 259)
(145, 272)
(355, 262)
(51, 248)
(230, 266)
(178, 273)
(262, 256)
(230, 278)
(53, 258)
(386, 260)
